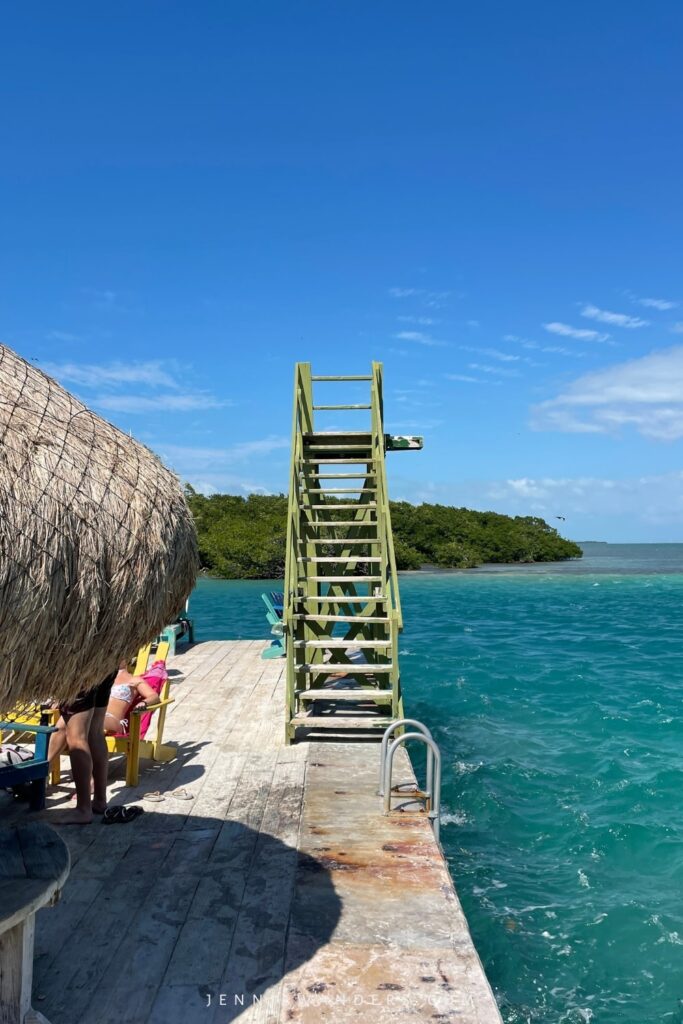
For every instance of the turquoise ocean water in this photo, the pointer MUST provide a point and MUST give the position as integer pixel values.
(556, 695)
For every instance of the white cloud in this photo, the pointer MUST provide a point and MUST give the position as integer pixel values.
(560, 350)
(582, 333)
(419, 337)
(662, 304)
(406, 426)
(93, 375)
(406, 396)
(651, 500)
(644, 393)
(213, 458)
(112, 382)
(436, 300)
(224, 483)
(617, 319)
(637, 504)
(473, 323)
(677, 328)
(497, 371)
(534, 346)
(210, 470)
(464, 379)
(176, 402)
(433, 300)
(637, 508)
(493, 353)
(423, 321)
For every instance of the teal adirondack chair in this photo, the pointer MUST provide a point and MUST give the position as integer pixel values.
(274, 602)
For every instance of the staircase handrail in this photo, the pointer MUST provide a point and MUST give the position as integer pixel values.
(391, 582)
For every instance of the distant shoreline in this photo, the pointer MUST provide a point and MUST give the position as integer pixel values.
(426, 570)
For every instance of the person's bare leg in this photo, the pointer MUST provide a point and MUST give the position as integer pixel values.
(77, 727)
(100, 760)
(57, 743)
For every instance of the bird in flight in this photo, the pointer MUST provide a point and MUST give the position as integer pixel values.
(563, 518)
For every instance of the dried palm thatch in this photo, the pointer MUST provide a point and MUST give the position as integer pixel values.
(98, 550)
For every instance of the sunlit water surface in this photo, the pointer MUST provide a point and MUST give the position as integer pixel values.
(554, 693)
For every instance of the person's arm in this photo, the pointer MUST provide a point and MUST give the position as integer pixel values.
(147, 692)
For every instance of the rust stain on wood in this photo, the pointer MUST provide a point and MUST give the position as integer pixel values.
(280, 883)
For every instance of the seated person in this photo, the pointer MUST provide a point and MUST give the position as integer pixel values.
(130, 692)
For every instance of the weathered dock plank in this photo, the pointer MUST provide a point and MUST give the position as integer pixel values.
(277, 893)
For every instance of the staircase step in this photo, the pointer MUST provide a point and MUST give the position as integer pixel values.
(312, 436)
(337, 723)
(337, 446)
(335, 462)
(341, 522)
(343, 599)
(346, 579)
(334, 643)
(339, 559)
(317, 408)
(339, 540)
(340, 378)
(317, 491)
(342, 508)
(308, 617)
(377, 696)
(337, 476)
(338, 669)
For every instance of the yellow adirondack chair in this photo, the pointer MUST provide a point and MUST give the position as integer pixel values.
(132, 744)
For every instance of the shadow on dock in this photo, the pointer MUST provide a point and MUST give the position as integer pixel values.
(176, 919)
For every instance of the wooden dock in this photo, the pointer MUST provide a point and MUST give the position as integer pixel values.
(279, 892)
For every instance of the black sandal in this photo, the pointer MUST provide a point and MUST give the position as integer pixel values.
(121, 815)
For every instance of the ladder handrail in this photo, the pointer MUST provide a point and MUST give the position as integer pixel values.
(376, 402)
(433, 798)
(293, 489)
(301, 420)
(398, 724)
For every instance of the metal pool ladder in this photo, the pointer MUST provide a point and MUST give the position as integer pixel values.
(431, 795)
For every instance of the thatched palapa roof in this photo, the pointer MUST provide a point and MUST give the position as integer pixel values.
(98, 550)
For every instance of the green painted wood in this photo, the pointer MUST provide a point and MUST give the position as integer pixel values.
(403, 442)
(331, 644)
(338, 408)
(358, 695)
(346, 599)
(325, 591)
(341, 378)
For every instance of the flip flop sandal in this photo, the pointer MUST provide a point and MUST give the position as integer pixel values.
(155, 796)
(181, 794)
(121, 815)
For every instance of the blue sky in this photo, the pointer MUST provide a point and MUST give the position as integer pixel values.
(486, 197)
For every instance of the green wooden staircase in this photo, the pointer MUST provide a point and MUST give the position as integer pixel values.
(342, 611)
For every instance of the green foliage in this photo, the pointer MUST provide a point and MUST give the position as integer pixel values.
(240, 538)
(407, 557)
(459, 538)
(245, 538)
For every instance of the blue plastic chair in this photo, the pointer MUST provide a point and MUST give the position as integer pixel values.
(34, 772)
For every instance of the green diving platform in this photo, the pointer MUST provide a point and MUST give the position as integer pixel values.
(342, 608)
